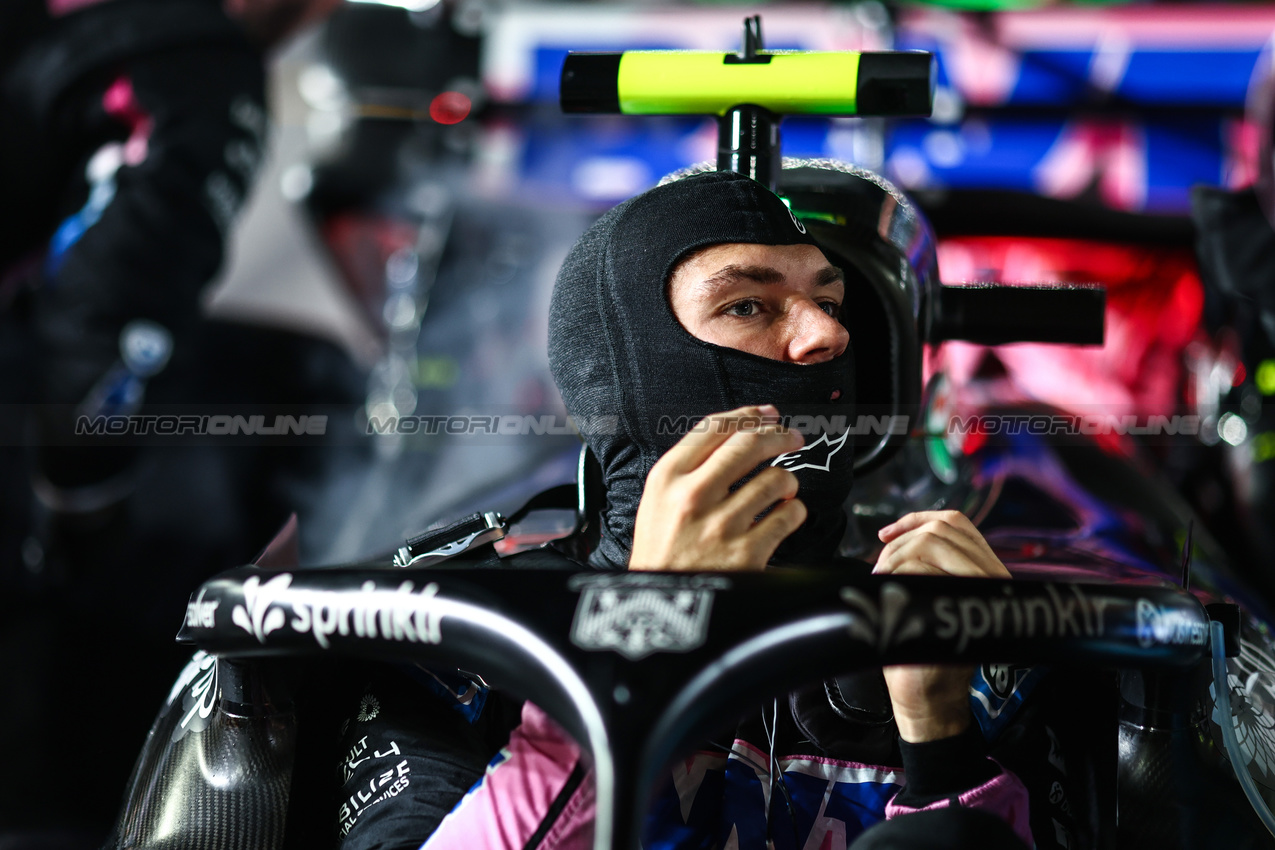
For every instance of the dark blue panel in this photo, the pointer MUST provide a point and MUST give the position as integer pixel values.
(558, 150)
(1006, 152)
(1180, 154)
(1214, 78)
(1053, 78)
(994, 154)
(1152, 77)
(804, 135)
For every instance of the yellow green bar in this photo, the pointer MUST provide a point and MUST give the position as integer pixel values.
(699, 83)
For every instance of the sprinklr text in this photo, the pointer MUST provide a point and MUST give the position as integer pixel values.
(391, 614)
(1057, 615)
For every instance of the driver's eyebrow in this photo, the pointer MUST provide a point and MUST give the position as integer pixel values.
(829, 274)
(735, 273)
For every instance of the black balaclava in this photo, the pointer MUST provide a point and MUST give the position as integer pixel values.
(617, 351)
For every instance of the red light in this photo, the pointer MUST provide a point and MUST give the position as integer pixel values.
(1031, 550)
(1240, 374)
(450, 107)
(975, 439)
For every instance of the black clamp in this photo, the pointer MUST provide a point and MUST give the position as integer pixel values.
(451, 540)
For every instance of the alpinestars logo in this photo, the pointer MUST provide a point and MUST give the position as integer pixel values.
(797, 222)
(816, 456)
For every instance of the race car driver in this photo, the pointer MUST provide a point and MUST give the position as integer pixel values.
(706, 294)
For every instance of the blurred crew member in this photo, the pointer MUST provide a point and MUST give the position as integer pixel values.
(130, 134)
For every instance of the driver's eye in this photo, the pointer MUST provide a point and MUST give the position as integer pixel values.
(743, 308)
(832, 308)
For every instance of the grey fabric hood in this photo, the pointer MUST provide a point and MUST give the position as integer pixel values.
(618, 354)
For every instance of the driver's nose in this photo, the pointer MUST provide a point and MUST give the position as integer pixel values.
(815, 336)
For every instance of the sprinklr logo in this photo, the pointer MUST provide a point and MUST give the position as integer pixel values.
(885, 623)
(816, 456)
(255, 615)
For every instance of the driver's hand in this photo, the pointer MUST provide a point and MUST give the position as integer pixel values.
(689, 519)
(932, 701)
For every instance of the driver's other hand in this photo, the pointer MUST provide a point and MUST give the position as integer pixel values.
(932, 701)
(690, 519)
(938, 543)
